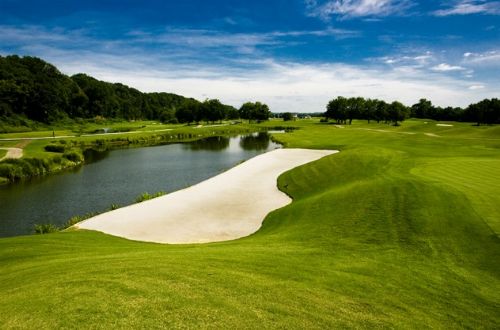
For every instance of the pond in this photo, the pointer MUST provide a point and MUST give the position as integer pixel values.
(118, 177)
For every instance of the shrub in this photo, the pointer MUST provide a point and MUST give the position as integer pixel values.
(73, 221)
(73, 156)
(7, 170)
(54, 148)
(147, 196)
(79, 218)
(57, 160)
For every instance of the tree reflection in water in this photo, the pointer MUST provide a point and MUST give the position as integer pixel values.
(214, 143)
(255, 141)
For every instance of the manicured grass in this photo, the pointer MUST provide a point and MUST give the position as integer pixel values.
(398, 230)
(2, 153)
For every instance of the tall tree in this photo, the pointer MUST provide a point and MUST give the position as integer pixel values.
(397, 112)
(422, 109)
(337, 109)
(254, 111)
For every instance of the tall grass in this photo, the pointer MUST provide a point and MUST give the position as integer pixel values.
(147, 196)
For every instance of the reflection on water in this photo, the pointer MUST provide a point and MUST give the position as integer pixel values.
(255, 141)
(251, 142)
(118, 177)
(92, 155)
(214, 143)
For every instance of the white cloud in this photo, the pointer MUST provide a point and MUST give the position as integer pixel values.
(415, 60)
(242, 42)
(476, 87)
(285, 86)
(488, 58)
(27, 34)
(468, 7)
(357, 8)
(444, 67)
(185, 42)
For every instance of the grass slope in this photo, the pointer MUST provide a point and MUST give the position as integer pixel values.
(398, 230)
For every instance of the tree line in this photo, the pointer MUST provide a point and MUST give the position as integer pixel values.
(343, 110)
(34, 89)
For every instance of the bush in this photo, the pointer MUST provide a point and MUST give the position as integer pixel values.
(17, 169)
(7, 170)
(45, 228)
(73, 221)
(54, 148)
(57, 160)
(78, 218)
(73, 156)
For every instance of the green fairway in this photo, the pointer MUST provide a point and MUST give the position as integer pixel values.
(398, 230)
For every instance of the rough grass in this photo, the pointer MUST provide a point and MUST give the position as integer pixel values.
(398, 230)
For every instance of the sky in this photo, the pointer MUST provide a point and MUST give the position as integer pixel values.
(294, 55)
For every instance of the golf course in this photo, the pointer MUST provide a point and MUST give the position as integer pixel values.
(399, 229)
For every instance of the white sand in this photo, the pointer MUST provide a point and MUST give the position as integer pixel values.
(12, 153)
(444, 125)
(228, 206)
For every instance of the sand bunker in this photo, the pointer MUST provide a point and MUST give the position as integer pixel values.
(444, 125)
(12, 153)
(228, 206)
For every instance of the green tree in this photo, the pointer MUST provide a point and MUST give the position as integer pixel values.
(422, 109)
(287, 116)
(337, 109)
(254, 111)
(213, 110)
(188, 111)
(397, 112)
(380, 111)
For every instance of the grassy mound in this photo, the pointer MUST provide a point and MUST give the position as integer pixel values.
(398, 230)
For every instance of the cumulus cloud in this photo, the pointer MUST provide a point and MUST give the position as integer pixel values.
(468, 7)
(357, 8)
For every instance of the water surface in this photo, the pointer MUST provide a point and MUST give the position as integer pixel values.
(118, 177)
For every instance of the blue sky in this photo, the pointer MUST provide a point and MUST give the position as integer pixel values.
(294, 55)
